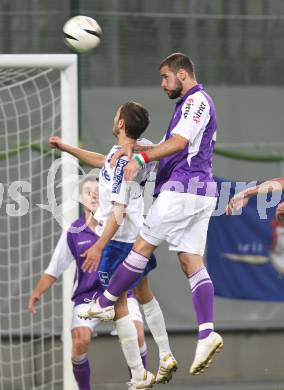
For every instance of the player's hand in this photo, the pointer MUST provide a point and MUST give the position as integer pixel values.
(34, 298)
(280, 213)
(55, 142)
(130, 170)
(238, 201)
(126, 150)
(92, 258)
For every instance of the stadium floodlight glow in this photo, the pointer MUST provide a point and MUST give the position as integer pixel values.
(38, 98)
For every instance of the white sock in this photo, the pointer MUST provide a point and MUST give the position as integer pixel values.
(128, 338)
(156, 323)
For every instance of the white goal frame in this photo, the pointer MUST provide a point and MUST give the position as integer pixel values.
(67, 64)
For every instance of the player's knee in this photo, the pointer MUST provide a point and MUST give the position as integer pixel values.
(190, 263)
(80, 344)
(143, 247)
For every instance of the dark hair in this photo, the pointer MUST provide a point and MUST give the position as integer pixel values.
(85, 179)
(136, 119)
(178, 61)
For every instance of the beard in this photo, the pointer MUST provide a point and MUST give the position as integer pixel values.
(176, 92)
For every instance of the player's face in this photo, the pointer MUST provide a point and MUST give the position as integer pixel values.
(115, 128)
(170, 83)
(89, 196)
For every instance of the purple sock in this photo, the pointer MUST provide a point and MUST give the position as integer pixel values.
(143, 354)
(125, 275)
(203, 300)
(82, 373)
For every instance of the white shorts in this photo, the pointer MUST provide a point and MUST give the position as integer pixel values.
(181, 219)
(77, 322)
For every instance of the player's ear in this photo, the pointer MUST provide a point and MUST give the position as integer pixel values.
(121, 123)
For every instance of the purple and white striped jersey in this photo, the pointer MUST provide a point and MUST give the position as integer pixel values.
(190, 170)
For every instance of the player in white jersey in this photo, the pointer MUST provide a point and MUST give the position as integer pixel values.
(121, 217)
(67, 251)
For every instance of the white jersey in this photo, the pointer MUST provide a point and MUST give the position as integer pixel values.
(113, 188)
(61, 259)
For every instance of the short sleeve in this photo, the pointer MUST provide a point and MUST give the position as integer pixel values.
(195, 115)
(120, 188)
(61, 258)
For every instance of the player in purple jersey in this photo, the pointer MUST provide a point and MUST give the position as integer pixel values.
(185, 199)
(119, 200)
(69, 248)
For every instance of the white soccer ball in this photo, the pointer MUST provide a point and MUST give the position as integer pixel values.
(82, 33)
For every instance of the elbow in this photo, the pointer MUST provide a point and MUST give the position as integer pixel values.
(182, 144)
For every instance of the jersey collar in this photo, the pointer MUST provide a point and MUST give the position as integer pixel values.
(191, 91)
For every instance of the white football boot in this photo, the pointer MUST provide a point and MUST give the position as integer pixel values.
(168, 365)
(205, 350)
(94, 310)
(147, 382)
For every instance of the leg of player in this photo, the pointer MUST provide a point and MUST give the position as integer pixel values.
(136, 316)
(81, 338)
(129, 272)
(202, 290)
(156, 323)
(141, 379)
(141, 342)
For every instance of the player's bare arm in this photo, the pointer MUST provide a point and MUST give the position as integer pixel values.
(242, 198)
(128, 151)
(45, 282)
(171, 146)
(93, 254)
(91, 158)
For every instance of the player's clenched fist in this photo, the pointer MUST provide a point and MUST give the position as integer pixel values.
(55, 142)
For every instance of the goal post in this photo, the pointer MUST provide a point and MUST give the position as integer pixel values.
(38, 98)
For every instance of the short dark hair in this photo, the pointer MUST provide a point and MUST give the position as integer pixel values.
(136, 119)
(178, 61)
(85, 179)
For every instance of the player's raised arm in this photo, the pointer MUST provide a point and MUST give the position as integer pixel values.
(128, 151)
(171, 146)
(242, 198)
(91, 158)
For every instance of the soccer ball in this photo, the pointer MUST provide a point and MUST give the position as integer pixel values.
(82, 33)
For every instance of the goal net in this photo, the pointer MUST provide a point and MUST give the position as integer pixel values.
(38, 97)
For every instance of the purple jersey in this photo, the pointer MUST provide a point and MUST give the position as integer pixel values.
(86, 285)
(190, 170)
(68, 249)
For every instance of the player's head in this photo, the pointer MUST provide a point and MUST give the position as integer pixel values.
(175, 71)
(131, 118)
(89, 192)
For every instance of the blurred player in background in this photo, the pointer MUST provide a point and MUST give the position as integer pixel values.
(120, 217)
(242, 198)
(69, 248)
(185, 194)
